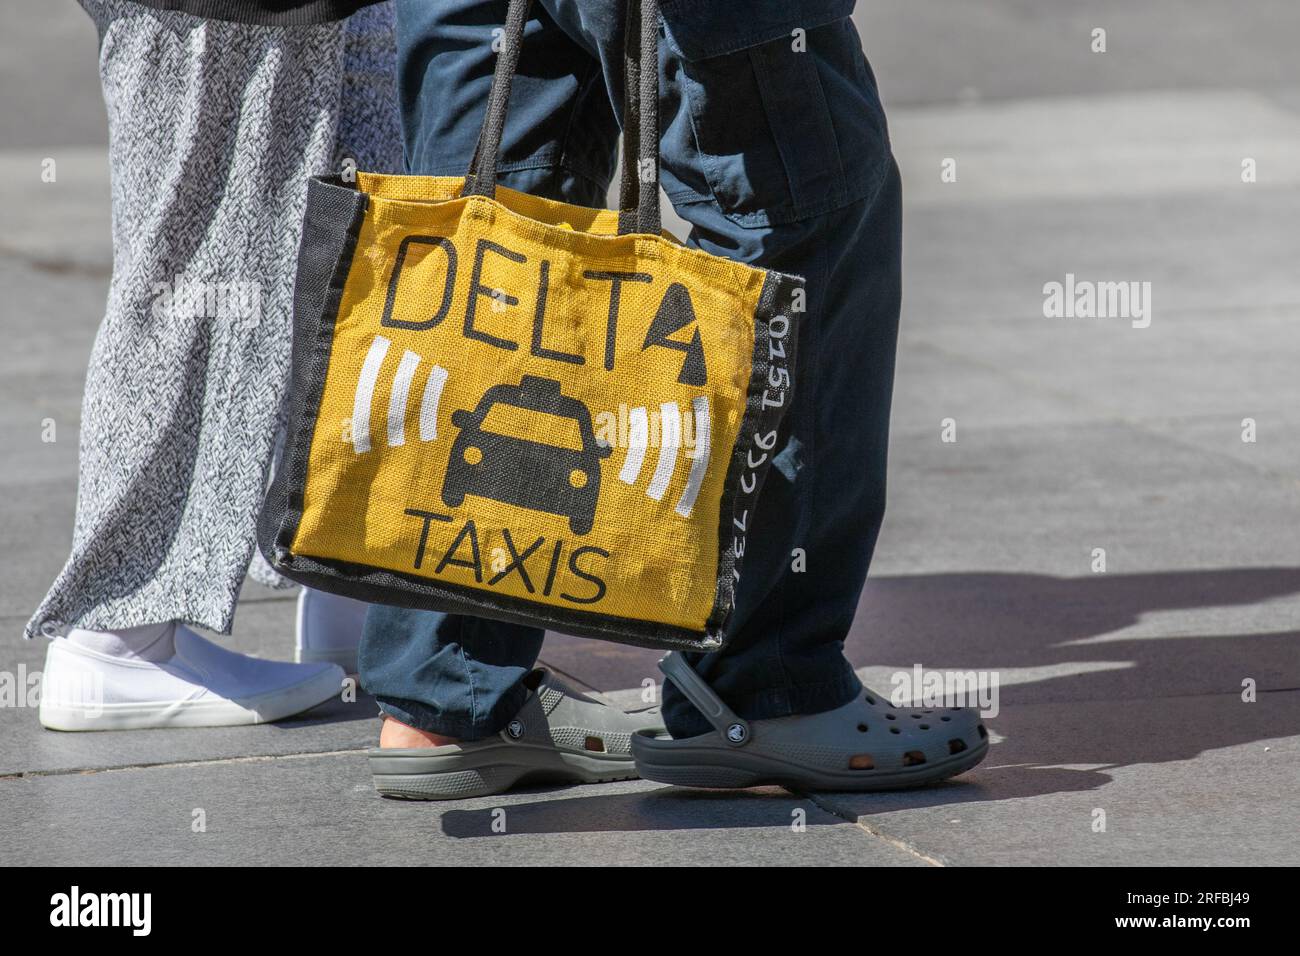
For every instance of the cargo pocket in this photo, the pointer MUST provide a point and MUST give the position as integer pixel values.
(785, 116)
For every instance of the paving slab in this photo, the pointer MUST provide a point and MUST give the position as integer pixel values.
(332, 726)
(1042, 638)
(1042, 499)
(970, 265)
(57, 209)
(36, 530)
(1112, 372)
(49, 321)
(946, 50)
(1194, 780)
(322, 810)
(1138, 145)
(1275, 450)
(51, 45)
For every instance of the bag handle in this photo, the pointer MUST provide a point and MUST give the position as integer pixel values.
(638, 192)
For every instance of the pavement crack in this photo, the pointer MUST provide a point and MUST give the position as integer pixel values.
(875, 832)
(163, 765)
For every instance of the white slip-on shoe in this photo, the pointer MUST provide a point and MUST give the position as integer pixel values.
(329, 628)
(200, 685)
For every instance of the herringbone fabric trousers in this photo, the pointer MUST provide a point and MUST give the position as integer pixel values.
(214, 128)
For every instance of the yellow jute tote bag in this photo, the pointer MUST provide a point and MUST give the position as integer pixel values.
(520, 409)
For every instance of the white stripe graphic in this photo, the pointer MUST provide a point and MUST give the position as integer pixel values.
(398, 397)
(700, 463)
(429, 404)
(670, 439)
(638, 437)
(365, 394)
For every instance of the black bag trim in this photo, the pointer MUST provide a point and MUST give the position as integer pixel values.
(331, 223)
(760, 418)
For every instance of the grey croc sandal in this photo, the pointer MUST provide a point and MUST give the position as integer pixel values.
(559, 735)
(868, 744)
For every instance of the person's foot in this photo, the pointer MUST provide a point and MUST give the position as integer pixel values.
(329, 628)
(867, 744)
(395, 735)
(168, 676)
(559, 735)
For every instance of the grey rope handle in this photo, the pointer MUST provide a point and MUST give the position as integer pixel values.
(481, 180)
(638, 194)
(638, 200)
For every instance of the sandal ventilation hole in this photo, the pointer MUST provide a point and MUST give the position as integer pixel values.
(862, 728)
(945, 718)
(983, 733)
(894, 730)
(596, 745)
(912, 758)
(925, 726)
(871, 700)
(862, 762)
(890, 717)
(956, 746)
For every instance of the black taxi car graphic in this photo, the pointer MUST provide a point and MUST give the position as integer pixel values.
(531, 446)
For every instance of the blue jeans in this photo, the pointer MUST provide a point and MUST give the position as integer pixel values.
(774, 148)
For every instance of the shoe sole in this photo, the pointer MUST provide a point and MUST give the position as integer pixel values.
(483, 771)
(723, 768)
(258, 709)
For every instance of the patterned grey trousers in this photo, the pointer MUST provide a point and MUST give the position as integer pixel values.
(214, 128)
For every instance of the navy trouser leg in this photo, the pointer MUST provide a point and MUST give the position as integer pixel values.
(775, 150)
(821, 508)
(778, 155)
(449, 674)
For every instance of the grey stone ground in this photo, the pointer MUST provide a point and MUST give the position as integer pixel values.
(1120, 691)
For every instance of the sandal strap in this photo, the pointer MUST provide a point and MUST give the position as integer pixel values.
(734, 729)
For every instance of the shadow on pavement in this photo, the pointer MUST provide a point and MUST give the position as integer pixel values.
(335, 711)
(669, 808)
(1149, 699)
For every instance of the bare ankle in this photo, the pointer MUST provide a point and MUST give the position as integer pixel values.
(395, 734)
